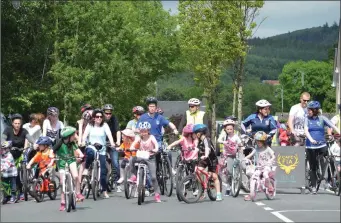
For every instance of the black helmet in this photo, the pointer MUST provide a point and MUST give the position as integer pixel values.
(52, 111)
(108, 107)
(16, 116)
(96, 111)
(151, 100)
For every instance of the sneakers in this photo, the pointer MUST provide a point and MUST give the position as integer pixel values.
(120, 180)
(119, 189)
(62, 207)
(12, 200)
(247, 197)
(157, 198)
(173, 171)
(219, 198)
(80, 197)
(147, 193)
(195, 193)
(105, 195)
(227, 193)
(22, 198)
(313, 190)
(132, 179)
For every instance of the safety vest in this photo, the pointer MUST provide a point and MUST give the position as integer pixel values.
(195, 118)
(338, 122)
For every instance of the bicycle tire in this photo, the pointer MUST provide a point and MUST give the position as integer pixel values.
(339, 180)
(271, 196)
(141, 187)
(94, 182)
(38, 194)
(68, 193)
(180, 174)
(52, 194)
(24, 181)
(85, 186)
(127, 186)
(236, 180)
(187, 181)
(167, 175)
(210, 186)
(73, 194)
(159, 176)
(253, 190)
(177, 162)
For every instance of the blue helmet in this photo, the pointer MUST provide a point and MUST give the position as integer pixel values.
(200, 128)
(44, 140)
(314, 104)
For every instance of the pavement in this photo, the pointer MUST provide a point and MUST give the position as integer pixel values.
(290, 206)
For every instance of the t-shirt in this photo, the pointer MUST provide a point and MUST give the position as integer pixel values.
(316, 130)
(43, 158)
(98, 134)
(299, 114)
(34, 131)
(231, 143)
(52, 132)
(67, 154)
(263, 156)
(336, 121)
(126, 146)
(156, 121)
(132, 124)
(335, 150)
(17, 140)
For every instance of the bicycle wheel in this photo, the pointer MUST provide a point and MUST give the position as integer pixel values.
(180, 174)
(211, 190)
(253, 189)
(159, 177)
(38, 190)
(338, 180)
(73, 194)
(52, 193)
(57, 181)
(271, 195)
(167, 177)
(94, 182)
(24, 181)
(236, 180)
(141, 187)
(128, 187)
(68, 193)
(178, 159)
(85, 186)
(187, 188)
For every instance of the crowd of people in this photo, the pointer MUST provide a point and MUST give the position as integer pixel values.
(98, 130)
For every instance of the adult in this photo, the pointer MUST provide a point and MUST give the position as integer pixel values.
(114, 126)
(137, 112)
(52, 126)
(33, 127)
(97, 131)
(261, 120)
(336, 121)
(193, 115)
(314, 126)
(157, 121)
(297, 115)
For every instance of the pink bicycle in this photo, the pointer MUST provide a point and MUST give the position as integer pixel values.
(258, 184)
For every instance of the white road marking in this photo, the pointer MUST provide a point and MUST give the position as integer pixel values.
(268, 209)
(280, 216)
(308, 210)
(259, 203)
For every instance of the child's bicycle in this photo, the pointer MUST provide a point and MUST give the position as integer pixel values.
(194, 185)
(258, 183)
(141, 180)
(5, 192)
(44, 185)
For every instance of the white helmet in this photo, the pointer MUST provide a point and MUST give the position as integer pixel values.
(194, 101)
(145, 125)
(229, 122)
(263, 103)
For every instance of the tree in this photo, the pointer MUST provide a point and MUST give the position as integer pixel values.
(209, 39)
(317, 81)
(170, 94)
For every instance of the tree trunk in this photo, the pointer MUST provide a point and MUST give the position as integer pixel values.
(240, 87)
(235, 89)
(65, 109)
(213, 124)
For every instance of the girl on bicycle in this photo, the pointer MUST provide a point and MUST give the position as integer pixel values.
(207, 156)
(66, 151)
(264, 157)
(9, 171)
(147, 143)
(188, 141)
(231, 142)
(52, 125)
(316, 144)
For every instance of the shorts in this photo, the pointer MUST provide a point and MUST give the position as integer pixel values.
(211, 166)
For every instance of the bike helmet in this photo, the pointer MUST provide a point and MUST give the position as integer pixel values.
(67, 131)
(229, 122)
(314, 105)
(260, 136)
(160, 111)
(87, 114)
(200, 128)
(52, 111)
(108, 107)
(194, 101)
(6, 145)
(44, 140)
(85, 108)
(16, 116)
(151, 100)
(231, 117)
(138, 110)
(96, 111)
(262, 103)
(145, 125)
(188, 129)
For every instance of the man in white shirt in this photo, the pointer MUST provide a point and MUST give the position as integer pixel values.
(297, 115)
(33, 127)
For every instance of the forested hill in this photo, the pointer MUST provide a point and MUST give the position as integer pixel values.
(267, 56)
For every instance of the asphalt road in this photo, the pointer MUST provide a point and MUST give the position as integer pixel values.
(288, 207)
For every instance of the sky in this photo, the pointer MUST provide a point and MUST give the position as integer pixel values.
(284, 16)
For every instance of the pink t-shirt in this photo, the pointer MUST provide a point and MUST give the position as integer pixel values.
(189, 143)
(149, 144)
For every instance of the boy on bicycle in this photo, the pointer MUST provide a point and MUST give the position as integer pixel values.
(9, 171)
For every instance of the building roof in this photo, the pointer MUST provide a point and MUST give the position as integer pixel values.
(171, 108)
(271, 82)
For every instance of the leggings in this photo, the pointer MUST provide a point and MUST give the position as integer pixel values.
(312, 159)
(152, 171)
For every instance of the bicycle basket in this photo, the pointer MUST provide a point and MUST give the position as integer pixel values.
(250, 169)
(142, 154)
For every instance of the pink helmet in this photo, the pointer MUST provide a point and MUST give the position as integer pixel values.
(188, 128)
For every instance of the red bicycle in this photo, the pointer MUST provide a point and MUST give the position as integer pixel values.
(192, 187)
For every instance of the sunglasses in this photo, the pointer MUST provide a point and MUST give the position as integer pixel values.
(192, 106)
(305, 100)
(108, 113)
(98, 116)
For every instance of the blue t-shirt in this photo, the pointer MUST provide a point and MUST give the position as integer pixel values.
(156, 122)
(316, 130)
(267, 125)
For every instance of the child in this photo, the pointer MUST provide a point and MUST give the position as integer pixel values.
(66, 151)
(264, 157)
(44, 157)
(231, 142)
(189, 140)
(207, 156)
(335, 150)
(147, 143)
(284, 135)
(9, 171)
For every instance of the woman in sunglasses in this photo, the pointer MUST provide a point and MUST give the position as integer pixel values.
(261, 121)
(95, 133)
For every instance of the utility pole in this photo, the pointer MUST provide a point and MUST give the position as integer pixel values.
(282, 99)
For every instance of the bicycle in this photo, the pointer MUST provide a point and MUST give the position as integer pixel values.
(249, 144)
(44, 185)
(141, 180)
(164, 172)
(237, 172)
(21, 163)
(194, 183)
(257, 183)
(6, 192)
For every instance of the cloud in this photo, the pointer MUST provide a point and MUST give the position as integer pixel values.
(284, 16)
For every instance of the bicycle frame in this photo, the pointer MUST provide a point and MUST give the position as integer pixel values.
(96, 162)
(207, 177)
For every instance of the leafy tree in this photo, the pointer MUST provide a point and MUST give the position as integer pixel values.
(170, 94)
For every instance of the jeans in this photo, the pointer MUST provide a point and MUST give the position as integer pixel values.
(90, 155)
(116, 164)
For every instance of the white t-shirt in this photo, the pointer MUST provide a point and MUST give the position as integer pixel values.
(223, 137)
(335, 150)
(34, 131)
(299, 114)
(52, 133)
(336, 121)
